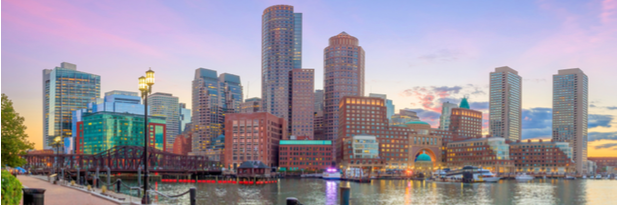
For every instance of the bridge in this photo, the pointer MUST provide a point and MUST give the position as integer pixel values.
(122, 159)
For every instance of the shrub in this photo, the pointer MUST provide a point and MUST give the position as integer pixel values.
(11, 189)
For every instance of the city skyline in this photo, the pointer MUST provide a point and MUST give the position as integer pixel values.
(418, 65)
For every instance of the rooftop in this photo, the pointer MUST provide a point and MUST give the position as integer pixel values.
(305, 142)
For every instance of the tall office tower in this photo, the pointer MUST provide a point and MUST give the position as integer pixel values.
(389, 104)
(301, 101)
(343, 76)
(64, 90)
(212, 97)
(319, 97)
(570, 101)
(465, 122)
(185, 117)
(166, 105)
(281, 51)
(251, 105)
(446, 111)
(505, 104)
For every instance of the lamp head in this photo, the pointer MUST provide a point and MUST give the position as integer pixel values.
(142, 83)
(150, 77)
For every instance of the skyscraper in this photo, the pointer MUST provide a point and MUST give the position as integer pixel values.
(281, 52)
(301, 101)
(319, 97)
(212, 97)
(465, 122)
(446, 111)
(570, 101)
(343, 76)
(251, 105)
(185, 116)
(64, 90)
(166, 105)
(389, 104)
(505, 104)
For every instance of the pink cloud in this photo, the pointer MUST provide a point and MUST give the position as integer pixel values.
(609, 9)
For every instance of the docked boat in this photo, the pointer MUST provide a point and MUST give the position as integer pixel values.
(470, 174)
(568, 177)
(523, 177)
(331, 174)
(584, 176)
(592, 177)
(599, 176)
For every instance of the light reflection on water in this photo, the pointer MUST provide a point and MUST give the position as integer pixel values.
(318, 191)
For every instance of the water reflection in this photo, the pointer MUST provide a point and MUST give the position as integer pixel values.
(317, 191)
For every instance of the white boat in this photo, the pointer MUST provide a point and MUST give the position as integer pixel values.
(599, 176)
(523, 177)
(592, 177)
(569, 177)
(331, 173)
(479, 174)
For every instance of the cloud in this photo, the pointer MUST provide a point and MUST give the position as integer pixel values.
(599, 121)
(609, 10)
(478, 105)
(612, 107)
(443, 55)
(428, 116)
(593, 136)
(537, 123)
(432, 97)
(606, 146)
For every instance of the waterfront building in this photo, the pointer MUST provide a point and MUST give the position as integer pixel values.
(319, 98)
(389, 104)
(570, 103)
(185, 117)
(318, 126)
(542, 156)
(301, 102)
(422, 141)
(251, 105)
(343, 76)
(166, 105)
(361, 151)
(505, 103)
(424, 165)
(182, 144)
(491, 153)
(64, 90)
(464, 122)
(604, 165)
(281, 52)
(213, 97)
(253, 136)
(446, 112)
(100, 131)
(308, 155)
(403, 117)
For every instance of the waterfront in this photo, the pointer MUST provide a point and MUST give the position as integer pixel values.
(318, 191)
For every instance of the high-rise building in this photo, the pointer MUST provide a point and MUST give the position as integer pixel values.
(465, 122)
(389, 104)
(301, 101)
(319, 98)
(281, 52)
(343, 76)
(166, 105)
(64, 90)
(505, 103)
(318, 126)
(570, 102)
(251, 105)
(253, 136)
(446, 111)
(212, 97)
(185, 117)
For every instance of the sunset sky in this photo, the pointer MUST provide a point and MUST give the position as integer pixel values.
(419, 53)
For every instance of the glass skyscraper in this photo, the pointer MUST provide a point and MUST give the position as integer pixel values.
(185, 117)
(212, 97)
(281, 52)
(166, 105)
(446, 112)
(343, 76)
(570, 103)
(505, 103)
(64, 90)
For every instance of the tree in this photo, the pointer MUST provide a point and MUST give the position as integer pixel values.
(14, 138)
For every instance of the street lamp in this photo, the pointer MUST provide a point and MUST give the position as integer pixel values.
(145, 86)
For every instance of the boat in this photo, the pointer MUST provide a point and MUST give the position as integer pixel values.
(599, 176)
(472, 174)
(584, 176)
(568, 177)
(331, 174)
(592, 177)
(523, 177)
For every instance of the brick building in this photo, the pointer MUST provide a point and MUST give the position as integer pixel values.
(466, 123)
(489, 153)
(313, 155)
(542, 156)
(253, 136)
(421, 140)
(605, 164)
(183, 144)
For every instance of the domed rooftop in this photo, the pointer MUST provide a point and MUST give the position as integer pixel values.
(464, 104)
(416, 123)
(423, 157)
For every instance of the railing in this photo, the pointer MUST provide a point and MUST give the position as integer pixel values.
(192, 192)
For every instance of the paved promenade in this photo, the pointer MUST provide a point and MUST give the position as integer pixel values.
(56, 194)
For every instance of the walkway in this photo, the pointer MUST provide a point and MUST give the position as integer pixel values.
(56, 194)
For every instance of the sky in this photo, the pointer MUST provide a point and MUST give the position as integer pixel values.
(418, 53)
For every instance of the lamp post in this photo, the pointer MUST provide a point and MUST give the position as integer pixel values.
(57, 143)
(145, 86)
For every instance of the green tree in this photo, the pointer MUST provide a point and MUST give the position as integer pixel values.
(14, 138)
